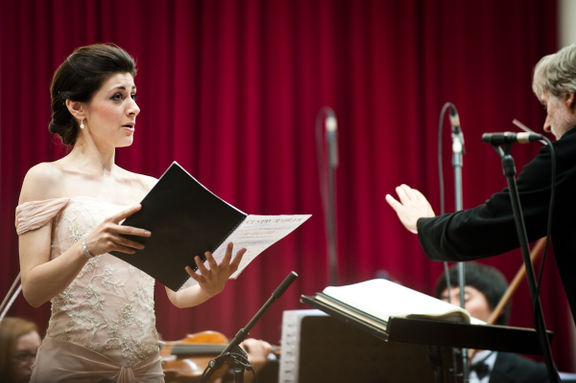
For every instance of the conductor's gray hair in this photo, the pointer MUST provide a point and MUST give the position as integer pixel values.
(556, 73)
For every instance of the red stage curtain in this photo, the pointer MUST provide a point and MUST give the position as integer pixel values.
(231, 88)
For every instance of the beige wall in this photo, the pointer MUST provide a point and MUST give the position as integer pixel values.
(567, 22)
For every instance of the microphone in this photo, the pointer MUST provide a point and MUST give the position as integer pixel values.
(232, 353)
(285, 284)
(510, 138)
(332, 137)
(457, 136)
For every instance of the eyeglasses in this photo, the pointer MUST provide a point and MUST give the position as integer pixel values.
(24, 356)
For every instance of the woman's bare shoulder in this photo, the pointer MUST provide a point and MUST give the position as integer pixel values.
(41, 182)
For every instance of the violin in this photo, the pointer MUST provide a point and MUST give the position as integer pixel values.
(185, 360)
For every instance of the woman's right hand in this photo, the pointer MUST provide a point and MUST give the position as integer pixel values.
(110, 234)
(43, 278)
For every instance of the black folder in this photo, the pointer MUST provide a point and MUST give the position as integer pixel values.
(186, 220)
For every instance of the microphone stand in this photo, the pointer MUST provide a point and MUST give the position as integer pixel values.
(510, 173)
(326, 135)
(233, 353)
(457, 163)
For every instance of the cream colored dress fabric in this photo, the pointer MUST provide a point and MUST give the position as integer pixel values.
(102, 327)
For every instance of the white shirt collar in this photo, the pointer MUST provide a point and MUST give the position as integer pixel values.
(485, 356)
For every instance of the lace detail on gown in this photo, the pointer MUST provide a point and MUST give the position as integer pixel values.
(109, 307)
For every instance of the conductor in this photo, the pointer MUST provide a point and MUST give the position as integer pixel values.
(489, 229)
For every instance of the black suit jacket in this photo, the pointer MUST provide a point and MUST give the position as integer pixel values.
(512, 368)
(489, 229)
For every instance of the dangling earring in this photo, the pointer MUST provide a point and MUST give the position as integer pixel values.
(82, 124)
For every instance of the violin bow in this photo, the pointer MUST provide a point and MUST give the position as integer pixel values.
(516, 282)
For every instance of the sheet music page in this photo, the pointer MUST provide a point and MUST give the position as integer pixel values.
(290, 351)
(256, 233)
(384, 299)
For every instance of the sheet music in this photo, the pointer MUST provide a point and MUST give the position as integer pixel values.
(381, 299)
(256, 233)
(290, 352)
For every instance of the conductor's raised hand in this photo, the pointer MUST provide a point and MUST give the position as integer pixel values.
(109, 235)
(212, 279)
(411, 207)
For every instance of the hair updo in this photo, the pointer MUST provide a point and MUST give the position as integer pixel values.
(78, 78)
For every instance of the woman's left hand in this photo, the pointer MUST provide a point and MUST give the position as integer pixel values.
(212, 279)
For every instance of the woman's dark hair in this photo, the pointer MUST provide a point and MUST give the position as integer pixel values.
(79, 77)
(486, 279)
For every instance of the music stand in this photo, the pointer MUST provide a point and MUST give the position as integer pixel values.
(443, 334)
